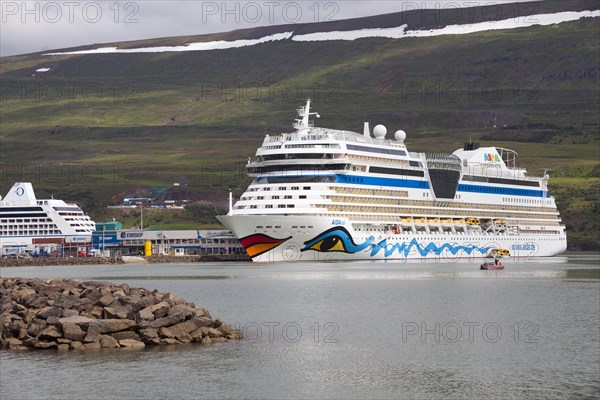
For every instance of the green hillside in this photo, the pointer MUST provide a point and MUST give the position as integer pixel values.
(97, 128)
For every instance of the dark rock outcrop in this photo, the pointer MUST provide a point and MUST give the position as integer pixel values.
(66, 314)
(44, 261)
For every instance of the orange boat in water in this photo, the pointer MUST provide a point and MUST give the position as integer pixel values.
(492, 265)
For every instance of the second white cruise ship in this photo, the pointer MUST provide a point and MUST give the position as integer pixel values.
(41, 225)
(322, 194)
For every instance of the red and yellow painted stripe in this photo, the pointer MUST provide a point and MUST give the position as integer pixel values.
(258, 243)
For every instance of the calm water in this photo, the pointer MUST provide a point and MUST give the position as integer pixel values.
(353, 330)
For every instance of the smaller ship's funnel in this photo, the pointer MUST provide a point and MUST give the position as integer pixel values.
(21, 193)
(367, 130)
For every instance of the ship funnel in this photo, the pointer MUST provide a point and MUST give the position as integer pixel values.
(367, 130)
(21, 193)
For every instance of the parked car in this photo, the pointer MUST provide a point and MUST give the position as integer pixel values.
(12, 256)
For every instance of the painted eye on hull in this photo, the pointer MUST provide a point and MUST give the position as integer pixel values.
(335, 239)
(332, 243)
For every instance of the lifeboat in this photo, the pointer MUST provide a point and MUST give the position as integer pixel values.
(406, 220)
(499, 253)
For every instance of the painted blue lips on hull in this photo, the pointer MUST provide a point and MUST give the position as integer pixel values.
(338, 239)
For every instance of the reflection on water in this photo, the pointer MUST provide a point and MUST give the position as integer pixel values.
(412, 330)
(583, 273)
(373, 275)
(575, 266)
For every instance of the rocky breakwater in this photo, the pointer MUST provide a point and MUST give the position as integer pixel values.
(66, 314)
(45, 261)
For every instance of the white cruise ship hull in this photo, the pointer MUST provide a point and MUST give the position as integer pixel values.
(320, 194)
(317, 238)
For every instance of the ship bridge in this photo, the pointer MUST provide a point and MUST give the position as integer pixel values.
(444, 173)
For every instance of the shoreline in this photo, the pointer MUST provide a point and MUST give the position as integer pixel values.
(56, 261)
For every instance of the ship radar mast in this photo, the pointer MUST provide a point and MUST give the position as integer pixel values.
(303, 124)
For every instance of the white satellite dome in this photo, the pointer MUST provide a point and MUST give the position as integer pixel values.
(379, 131)
(400, 136)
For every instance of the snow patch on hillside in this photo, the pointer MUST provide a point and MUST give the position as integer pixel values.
(399, 32)
(199, 46)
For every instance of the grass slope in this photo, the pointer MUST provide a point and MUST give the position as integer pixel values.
(97, 128)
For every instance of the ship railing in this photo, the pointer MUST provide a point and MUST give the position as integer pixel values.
(515, 170)
(525, 174)
(474, 168)
(289, 137)
(320, 134)
(522, 173)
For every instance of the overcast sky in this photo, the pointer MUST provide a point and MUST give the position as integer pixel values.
(33, 26)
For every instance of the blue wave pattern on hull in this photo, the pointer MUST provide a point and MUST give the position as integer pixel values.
(338, 239)
(407, 248)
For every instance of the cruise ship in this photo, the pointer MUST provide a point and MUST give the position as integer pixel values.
(322, 194)
(28, 223)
